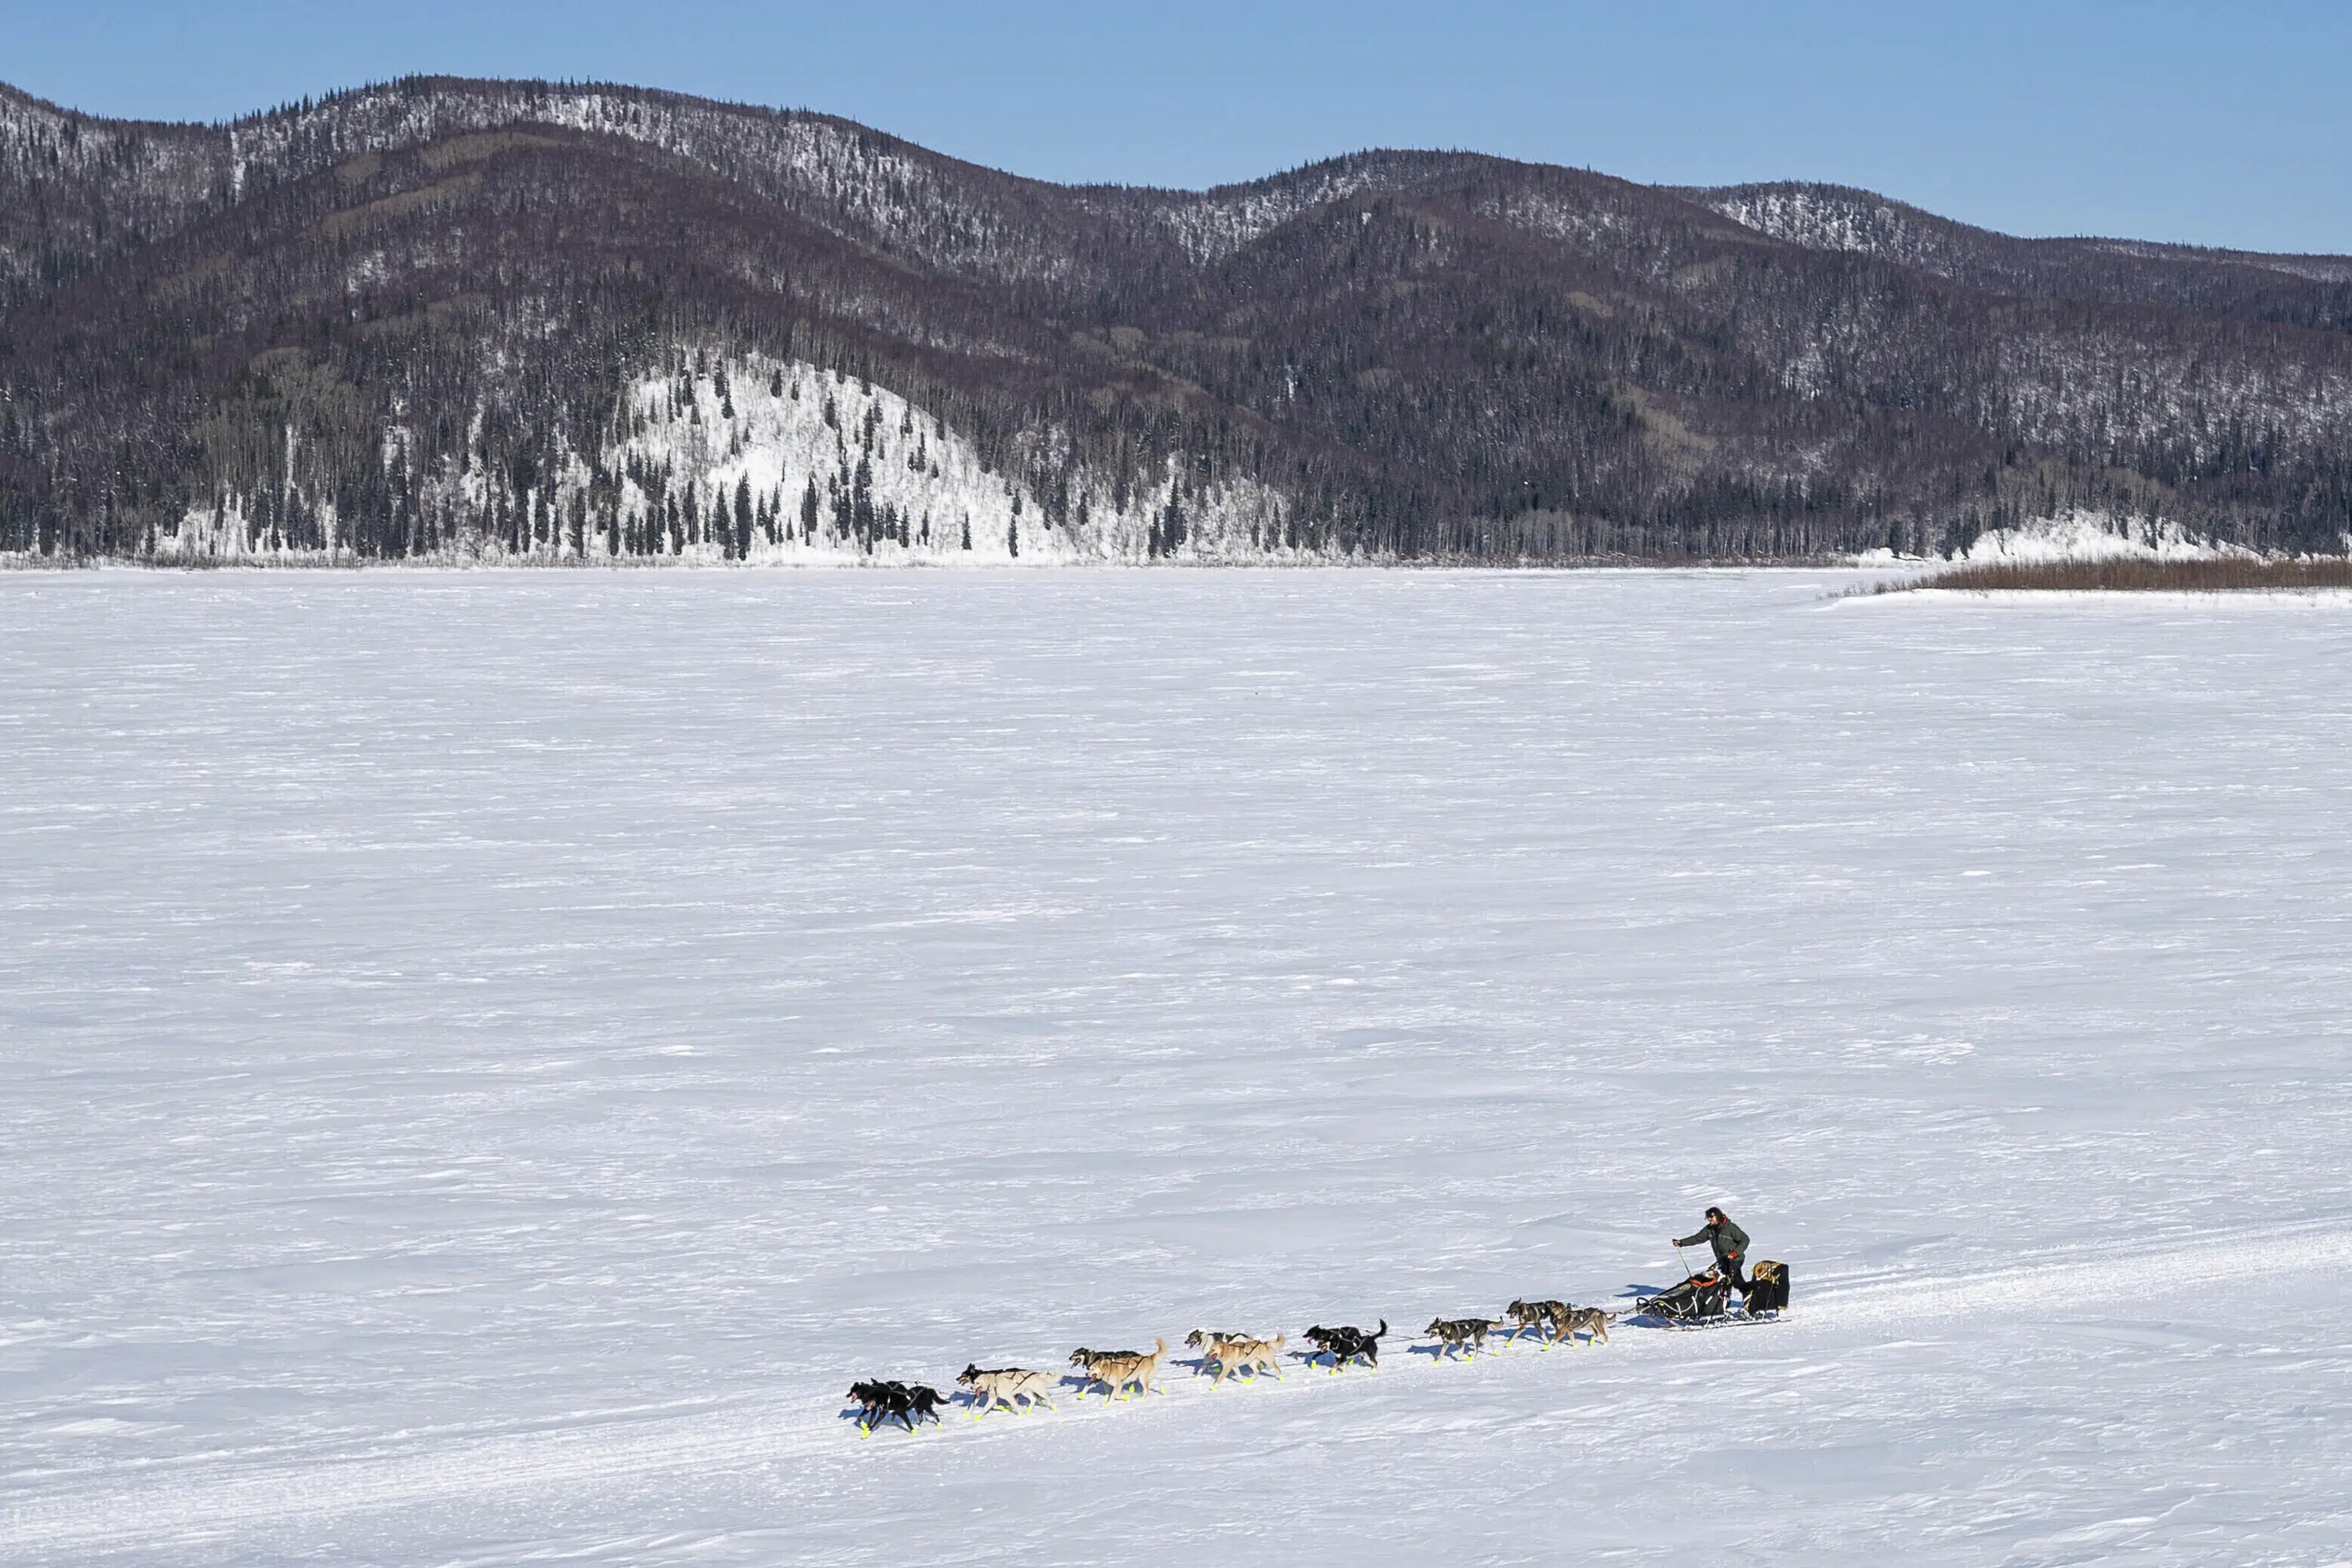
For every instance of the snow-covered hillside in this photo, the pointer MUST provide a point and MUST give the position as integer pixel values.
(857, 180)
(2082, 535)
(743, 457)
(2086, 535)
(836, 467)
(2093, 536)
(491, 1056)
(1838, 217)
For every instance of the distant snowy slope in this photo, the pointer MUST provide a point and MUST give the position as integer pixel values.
(1863, 222)
(2089, 536)
(747, 457)
(1838, 217)
(847, 469)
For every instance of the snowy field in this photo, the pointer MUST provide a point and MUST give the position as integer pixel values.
(490, 1057)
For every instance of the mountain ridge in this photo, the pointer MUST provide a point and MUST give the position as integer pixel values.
(413, 311)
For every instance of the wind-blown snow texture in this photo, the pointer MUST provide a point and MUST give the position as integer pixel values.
(488, 1059)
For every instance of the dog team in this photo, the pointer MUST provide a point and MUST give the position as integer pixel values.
(1122, 1374)
(1230, 1355)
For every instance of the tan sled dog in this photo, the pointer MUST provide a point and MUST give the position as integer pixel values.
(1116, 1369)
(1004, 1387)
(1227, 1355)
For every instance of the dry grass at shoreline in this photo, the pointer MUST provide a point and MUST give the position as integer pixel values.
(2138, 574)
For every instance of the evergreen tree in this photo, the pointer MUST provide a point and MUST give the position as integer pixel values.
(861, 503)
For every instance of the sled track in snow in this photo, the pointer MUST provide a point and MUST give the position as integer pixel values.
(2107, 1274)
(218, 1500)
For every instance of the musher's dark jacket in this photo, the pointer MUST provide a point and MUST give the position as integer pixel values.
(1727, 1239)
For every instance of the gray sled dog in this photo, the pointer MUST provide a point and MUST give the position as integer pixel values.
(1466, 1336)
(1590, 1320)
(1542, 1316)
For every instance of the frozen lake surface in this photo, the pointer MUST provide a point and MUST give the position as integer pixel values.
(490, 1057)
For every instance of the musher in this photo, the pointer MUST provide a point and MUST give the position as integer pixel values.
(1730, 1244)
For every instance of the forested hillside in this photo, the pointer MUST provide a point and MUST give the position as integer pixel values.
(445, 318)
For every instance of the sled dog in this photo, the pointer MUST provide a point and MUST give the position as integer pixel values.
(1116, 1369)
(1202, 1340)
(1344, 1344)
(1002, 1388)
(1226, 1355)
(1590, 1320)
(1466, 1335)
(1540, 1315)
(881, 1400)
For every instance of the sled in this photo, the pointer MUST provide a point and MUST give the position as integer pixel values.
(1704, 1300)
(1701, 1299)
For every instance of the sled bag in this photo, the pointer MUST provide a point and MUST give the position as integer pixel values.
(1768, 1288)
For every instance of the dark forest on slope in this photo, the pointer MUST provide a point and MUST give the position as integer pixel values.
(1429, 355)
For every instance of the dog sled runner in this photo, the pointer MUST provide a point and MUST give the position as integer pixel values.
(1704, 1300)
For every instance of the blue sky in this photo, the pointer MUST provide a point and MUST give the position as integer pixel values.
(2211, 124)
